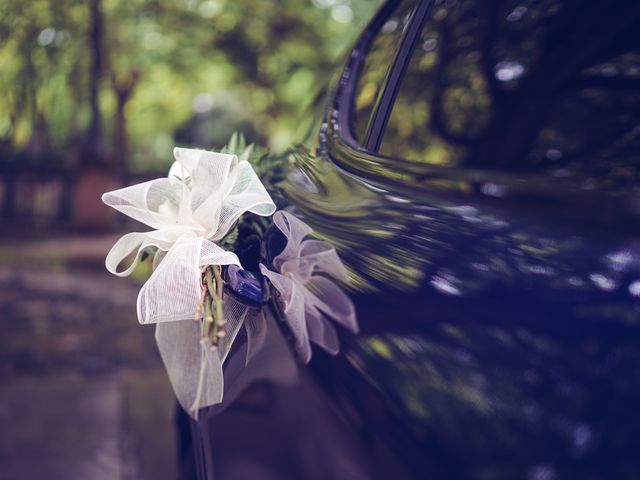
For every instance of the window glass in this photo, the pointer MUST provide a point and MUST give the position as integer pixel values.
(378, 61)
(524, 85)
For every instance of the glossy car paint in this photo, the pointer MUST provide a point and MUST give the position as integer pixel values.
(499, 314)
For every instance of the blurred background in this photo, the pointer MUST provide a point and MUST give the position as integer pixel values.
(94, 94)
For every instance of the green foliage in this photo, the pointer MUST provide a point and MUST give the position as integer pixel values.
(191, 71)
(261, 159)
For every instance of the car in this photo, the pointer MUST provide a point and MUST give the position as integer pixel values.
(476, 166)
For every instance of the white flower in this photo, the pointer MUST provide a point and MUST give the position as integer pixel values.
(308, 296)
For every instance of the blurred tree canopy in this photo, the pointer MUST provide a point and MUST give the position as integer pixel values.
(122, 80)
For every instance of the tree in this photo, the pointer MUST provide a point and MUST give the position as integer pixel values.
(123, 77)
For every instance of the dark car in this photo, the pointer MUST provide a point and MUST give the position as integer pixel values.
(476, 165)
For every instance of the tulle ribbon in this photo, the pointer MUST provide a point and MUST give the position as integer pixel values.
(195, 207)
(308, 296)
(196, 374)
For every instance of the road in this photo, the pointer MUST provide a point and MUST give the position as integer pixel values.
(83, 394)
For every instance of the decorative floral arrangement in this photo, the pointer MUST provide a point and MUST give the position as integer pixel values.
(199, 296)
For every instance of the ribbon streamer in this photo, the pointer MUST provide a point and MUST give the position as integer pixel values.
(194, 369)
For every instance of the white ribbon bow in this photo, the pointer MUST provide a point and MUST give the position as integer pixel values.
(308, 296)
(196, 206)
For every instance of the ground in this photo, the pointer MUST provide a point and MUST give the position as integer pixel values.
(83, 394)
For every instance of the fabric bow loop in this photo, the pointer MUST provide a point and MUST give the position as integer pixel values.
(204, 195)
(308, 296)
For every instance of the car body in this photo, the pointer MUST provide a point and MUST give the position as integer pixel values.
(476, 166)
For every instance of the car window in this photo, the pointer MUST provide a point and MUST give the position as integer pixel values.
(523, 85)
(376, 65)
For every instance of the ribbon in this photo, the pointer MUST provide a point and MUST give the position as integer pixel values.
(307, 295)
(196, 373)
(189, 211)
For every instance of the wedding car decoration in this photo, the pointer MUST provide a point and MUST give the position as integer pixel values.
(199, 295)
(308, 297)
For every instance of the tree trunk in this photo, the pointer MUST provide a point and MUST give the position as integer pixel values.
(123, 89)
(96, 42)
